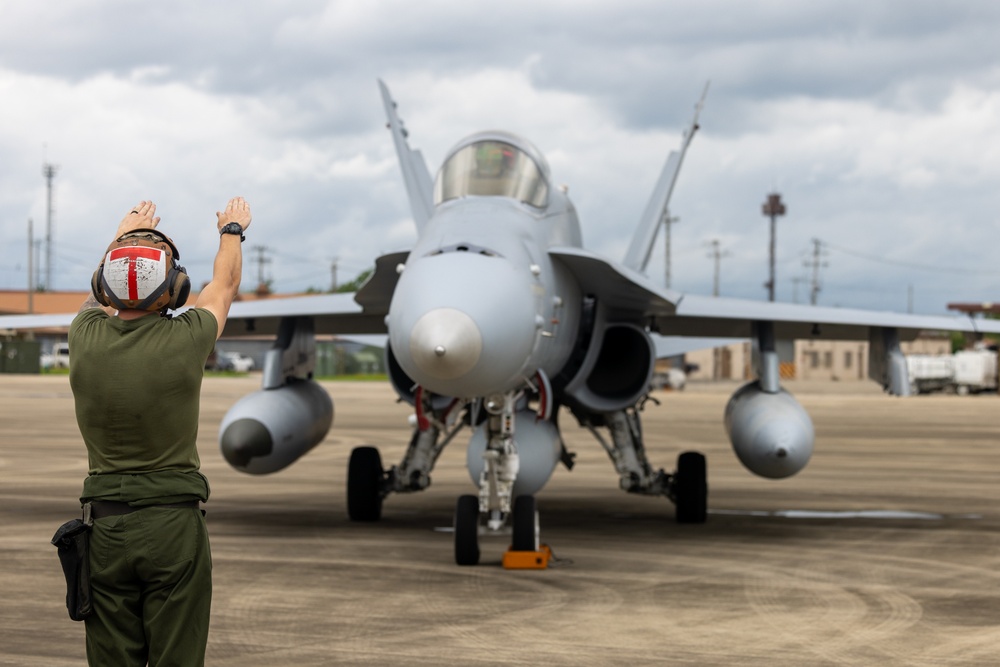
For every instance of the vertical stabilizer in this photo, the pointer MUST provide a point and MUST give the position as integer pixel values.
(419, 186)
(639, 250)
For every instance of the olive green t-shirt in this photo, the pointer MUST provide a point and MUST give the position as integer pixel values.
(137, 386)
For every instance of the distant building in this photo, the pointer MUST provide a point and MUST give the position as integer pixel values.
(835, 360)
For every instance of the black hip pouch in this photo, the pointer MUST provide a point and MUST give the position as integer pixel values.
(73, 542)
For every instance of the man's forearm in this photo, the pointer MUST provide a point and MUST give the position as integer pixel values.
(228, 267)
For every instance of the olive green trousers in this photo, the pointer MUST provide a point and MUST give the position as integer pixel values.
(151, 573)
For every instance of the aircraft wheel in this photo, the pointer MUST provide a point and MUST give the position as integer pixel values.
(364, 485)
(691, 488)
(467, 530)
(962, 390)
(524, 524)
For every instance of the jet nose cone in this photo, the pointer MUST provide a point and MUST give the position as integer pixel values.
(445, 343)
(463, 324)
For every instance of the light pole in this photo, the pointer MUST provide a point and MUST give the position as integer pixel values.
(773, 207)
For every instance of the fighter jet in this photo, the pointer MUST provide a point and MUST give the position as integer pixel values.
(498, 321)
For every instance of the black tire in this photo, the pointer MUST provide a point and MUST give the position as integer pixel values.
(523, 524)
(691, 488)
(364, 485)
(467, 530)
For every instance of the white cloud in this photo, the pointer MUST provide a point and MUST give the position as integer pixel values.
(877, 124)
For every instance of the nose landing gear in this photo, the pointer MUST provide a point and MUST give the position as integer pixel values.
(525, 552)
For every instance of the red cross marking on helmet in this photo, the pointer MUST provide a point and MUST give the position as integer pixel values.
(133, 254)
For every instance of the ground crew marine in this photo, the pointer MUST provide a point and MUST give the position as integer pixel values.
(136, 377)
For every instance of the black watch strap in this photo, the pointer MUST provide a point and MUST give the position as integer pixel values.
(233, 228)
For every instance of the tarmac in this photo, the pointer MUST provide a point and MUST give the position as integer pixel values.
(883, 551)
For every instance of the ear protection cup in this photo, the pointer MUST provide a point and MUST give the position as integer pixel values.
(179, 286)
(95, 285)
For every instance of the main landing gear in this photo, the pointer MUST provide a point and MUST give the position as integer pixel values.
(690, 488)
(438, 420)
(499, 504)
(365, 482)
(687, 487)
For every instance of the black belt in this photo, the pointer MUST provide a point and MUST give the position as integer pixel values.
(100, 509)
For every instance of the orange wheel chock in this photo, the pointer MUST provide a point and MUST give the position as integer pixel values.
(527, 560)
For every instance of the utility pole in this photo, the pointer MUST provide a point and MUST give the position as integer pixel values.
(31, 267)
(333, 276)
(817, 262)
(39, 286)
(261, 260)
(667, 221)
(717, 255)
(49, 171)
(772, 208)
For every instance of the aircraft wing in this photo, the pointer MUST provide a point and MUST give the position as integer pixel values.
(331, 313)
(362, 312)
(631, 295)
(724, 317)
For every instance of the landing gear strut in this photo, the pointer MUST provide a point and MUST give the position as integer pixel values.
(368, 484)
(687, 487)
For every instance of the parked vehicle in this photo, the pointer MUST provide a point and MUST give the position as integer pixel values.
(233, 361)
(671, 378)
(930, 372)
(965, 372)
(58, 358)
(975, 371)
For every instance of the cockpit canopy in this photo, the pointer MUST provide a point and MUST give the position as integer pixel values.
(492, 165)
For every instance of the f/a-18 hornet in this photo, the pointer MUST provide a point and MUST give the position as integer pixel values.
(497, 318)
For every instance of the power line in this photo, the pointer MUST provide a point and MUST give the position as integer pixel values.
(910, 265)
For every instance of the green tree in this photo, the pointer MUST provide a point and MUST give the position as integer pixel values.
(355, 285)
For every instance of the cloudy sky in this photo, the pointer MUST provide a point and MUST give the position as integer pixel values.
(878, 122)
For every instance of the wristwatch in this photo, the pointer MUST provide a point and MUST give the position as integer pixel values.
(233, 228)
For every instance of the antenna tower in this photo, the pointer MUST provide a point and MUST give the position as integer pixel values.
(49, 172)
